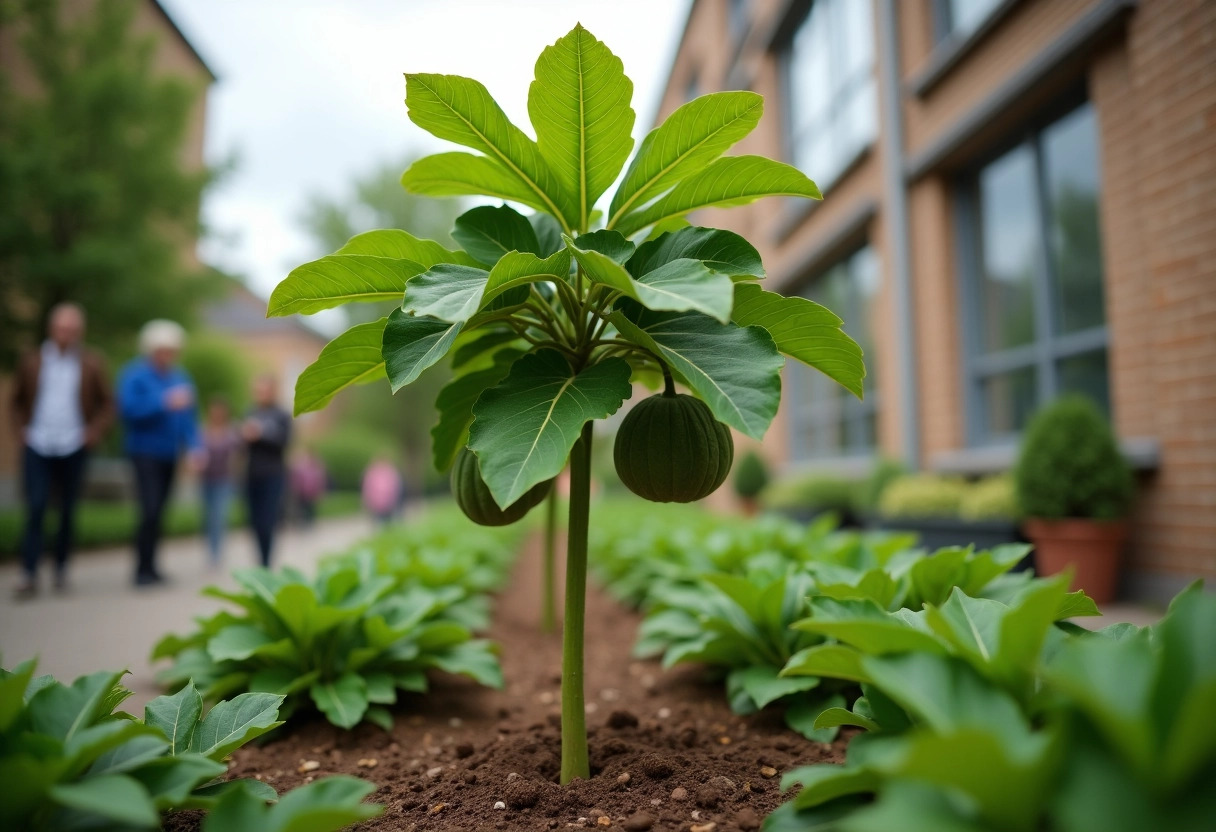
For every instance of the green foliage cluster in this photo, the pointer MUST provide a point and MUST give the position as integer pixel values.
(989, 714)
(101, 220)
(1070, 465)
(813, 492)
(932, 496)
(219, 369)
(751, 475)
(728, 594)
(69, 760)
(346, 453)
(372, 622)
(992, 498)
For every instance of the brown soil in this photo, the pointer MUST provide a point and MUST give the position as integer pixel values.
(666, 752)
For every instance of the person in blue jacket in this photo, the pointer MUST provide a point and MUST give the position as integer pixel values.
(156, 401)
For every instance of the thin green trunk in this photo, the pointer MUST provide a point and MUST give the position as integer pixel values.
(574, 725)
(548, 613)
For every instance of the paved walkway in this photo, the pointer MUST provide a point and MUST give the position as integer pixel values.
(104, 623)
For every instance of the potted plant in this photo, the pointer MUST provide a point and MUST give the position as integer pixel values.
(1075, 489)
(751, 477)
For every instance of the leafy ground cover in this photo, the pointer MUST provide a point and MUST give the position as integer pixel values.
(371, 623)
(68, 760)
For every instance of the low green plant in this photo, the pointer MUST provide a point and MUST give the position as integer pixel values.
(992, 498)
(1070, 465)
(869, 491)
(69, 760)
(814, 492)
(345, 642)
(922, 496)
(551, 316)
(751, 476)
(995, 718)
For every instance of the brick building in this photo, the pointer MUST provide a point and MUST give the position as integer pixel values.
(1020, 201)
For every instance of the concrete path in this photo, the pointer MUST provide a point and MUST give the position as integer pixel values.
(104, 623)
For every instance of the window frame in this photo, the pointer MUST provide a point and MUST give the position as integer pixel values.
(783, 52)
(1049, 347)
(846, 410)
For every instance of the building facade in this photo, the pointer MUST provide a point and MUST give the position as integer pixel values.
(1019, 202)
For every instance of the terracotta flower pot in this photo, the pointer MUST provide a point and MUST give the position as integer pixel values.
(1090, 547)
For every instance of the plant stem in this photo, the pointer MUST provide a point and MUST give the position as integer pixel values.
(548, 613)
(574, 725)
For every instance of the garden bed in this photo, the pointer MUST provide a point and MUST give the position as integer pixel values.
(457, 751)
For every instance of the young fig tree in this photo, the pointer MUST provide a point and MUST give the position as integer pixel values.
(554, 308)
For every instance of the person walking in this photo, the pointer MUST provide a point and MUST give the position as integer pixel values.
(62, 407)
(266, 431)
(156, 399)
(220, 444)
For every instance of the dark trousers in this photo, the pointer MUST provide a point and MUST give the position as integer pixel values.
(265, 501)
(153, 482)
(42, 475)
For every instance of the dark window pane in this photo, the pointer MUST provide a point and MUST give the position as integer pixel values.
(1009, 246)
(1009, 399)
(1070, 163)
(1086, 374)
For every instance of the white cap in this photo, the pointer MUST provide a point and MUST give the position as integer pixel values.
(161, 334)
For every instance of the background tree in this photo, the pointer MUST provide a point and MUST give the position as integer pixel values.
(97, 204)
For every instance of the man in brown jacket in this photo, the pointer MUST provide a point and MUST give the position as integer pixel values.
(62, 407)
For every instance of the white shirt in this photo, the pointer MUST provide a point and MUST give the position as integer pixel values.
(57, 426)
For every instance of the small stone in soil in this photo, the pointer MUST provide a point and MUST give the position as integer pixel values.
(437, 808)
(604, 821)
(463, 750)
(704, 827)
(307, 766)
(639, 822)
(368, 762)
(470, 777)
(655, 767)
(498, 804)
(435, 772)
(623, 778)
(513, 776)
(664, 713)
(521, 794)
(679, 793)
(724, 740)
(768, 771)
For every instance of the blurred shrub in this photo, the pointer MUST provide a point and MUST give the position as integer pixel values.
(751, 476)
(346, 453)
(817, 492)
(922, 496)
(1070, 465)
(869, 491)
(219, 370)
(994, 498)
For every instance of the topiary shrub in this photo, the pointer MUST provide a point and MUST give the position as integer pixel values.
(994, 498)
(922, 496)
(1070, 465)
(751, 476)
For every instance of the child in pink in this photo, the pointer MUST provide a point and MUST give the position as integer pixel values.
(381, 489)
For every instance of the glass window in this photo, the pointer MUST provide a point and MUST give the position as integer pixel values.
(1037, 326)
(960, 18)
(833, 105)
(827, 420)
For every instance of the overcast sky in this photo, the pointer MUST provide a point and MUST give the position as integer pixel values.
(310, 93)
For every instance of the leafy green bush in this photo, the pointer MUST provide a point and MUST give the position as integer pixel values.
(992, 498)
(919, 496)
(346, 641)
(751, 475)
(816, 492)
(869, 491)
(69, 761)
(219, 368)
(1070, 465)
(346, 455)
(983, 715)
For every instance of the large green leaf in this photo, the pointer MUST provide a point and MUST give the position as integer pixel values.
(115, 797)
(762, 684)
(693, 136)
(579, 107)
(12, 691)
(734, 180)
(517, 269)
(329, 804)
(804, 330)
(343, 700)
(524, 427)
(341, 278)
(401, 245)
(466, 174)
(722, 251)
(488, 232)
(234, 722)
(170, 780)
(176, 716)
(455, 405)
(354, 357)
(676, 286)
(411, 344)
(735, 370)
(461, 110)
(60, 711)
(449, 293)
